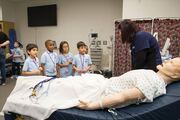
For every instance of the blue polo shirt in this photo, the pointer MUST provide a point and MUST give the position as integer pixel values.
(144, 40)
(17, 52)
(62, 59)
(49, 60)
(30, 64)
(81, 62)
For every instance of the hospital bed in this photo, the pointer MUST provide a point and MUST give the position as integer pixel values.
(166, 107)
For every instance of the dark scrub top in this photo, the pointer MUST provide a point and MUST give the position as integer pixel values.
(3, 38)
(145, 51)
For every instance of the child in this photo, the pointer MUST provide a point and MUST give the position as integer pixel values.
(17, 55)
(65, 59)
(81, 62)
(49, 60)
(31, 64)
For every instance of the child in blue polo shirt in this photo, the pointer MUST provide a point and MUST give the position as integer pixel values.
(82, 61)
(31, 65)
(65, 59)
(17, 55)
(49, 60)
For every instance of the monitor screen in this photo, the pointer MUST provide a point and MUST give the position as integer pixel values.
(42, 15)
(94, 35)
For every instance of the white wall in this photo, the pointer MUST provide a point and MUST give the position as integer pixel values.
(0, 9)
(151, 8)
(76, 20)
(8, 11)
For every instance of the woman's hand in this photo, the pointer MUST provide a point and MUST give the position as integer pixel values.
(88, 105)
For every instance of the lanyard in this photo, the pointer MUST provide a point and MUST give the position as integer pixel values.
(36, 64)
(52, 59)
(66, 70)
(66, 57)
(39, 85)
(82, 60)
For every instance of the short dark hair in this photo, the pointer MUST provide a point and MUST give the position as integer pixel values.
(128, 30)
(30, 46)
(47, 41)
(61, 46)
(80, 44)
(20, 45)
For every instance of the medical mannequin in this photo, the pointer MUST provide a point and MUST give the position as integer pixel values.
(90, 91)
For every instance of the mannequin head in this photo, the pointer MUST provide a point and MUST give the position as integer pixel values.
(171, 68)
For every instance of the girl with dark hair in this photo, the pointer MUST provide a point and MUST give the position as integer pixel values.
(65, 59)
(145, 50)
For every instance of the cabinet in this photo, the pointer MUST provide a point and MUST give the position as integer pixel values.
(96, 56)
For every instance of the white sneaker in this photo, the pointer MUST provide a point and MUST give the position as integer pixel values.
(13, 76)
(3, 84)
(1, 114)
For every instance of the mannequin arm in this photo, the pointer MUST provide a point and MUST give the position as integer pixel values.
(133, 94)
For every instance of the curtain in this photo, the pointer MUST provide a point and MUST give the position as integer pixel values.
(168, 28)
(122, 60)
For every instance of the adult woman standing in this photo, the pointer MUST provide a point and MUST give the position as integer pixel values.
(4, 41)
(145, 50)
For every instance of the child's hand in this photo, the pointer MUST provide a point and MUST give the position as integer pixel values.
(40, 68)
(66, 64)
(79, 70)
(58, 76)
(85, 70)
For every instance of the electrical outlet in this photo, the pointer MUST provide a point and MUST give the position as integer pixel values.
(105, 42)
(93, 43)
(98, 42)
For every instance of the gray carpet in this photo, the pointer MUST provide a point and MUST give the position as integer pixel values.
(5, 91)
